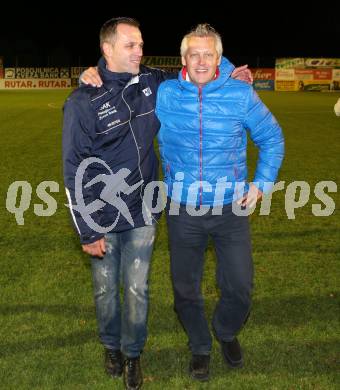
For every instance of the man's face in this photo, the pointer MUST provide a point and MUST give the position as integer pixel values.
(125, 54)
(201, 60)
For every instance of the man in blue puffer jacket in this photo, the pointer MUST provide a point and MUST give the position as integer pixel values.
(205, 115)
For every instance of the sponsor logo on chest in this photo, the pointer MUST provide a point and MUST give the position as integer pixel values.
(106, 110)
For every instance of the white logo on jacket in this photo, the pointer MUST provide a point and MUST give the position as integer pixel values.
(147, 91)
(105, 105)
(105, 110)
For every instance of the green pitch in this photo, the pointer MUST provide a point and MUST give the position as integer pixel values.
(47, 320)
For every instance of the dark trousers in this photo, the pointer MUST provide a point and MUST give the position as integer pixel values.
(188, 237)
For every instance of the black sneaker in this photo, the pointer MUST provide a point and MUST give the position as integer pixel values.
(199, 367)
(133, 377)
(113, 362)
(232, 353)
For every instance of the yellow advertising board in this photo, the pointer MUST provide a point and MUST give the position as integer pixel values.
(286, 85)
(35, 83)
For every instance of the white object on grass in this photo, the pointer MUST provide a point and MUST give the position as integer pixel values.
(337, 108)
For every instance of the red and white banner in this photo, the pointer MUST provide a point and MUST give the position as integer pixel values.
(263, 73)
(322, 74)
(304, 74)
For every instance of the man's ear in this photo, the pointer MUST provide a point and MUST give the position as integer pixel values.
(107, 49)
(184, 63)
(219, 60)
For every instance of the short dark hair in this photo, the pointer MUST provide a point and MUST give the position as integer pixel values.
(109, 28)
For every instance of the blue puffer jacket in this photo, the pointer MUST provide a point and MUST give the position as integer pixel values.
(204, 135)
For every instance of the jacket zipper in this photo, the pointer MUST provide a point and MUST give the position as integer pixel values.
(201, 152)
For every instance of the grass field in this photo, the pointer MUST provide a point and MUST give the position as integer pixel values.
(48, 330)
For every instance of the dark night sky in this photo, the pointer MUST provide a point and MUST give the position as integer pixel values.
(247, 32)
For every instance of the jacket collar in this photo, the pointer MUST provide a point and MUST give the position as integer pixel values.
(115, 79)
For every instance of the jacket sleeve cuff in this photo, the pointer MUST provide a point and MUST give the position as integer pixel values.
(89, 239)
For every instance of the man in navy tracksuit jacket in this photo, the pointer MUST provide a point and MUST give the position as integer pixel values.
(108, 161)
(108, 138)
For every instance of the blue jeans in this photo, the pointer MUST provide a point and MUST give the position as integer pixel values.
(188, 237)
(127, 260)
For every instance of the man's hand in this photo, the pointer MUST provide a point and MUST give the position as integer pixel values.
(96, 249)
(251, 197)
(242, 73)
(91, 76)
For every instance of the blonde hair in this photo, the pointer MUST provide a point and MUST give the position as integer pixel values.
(202, 30)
